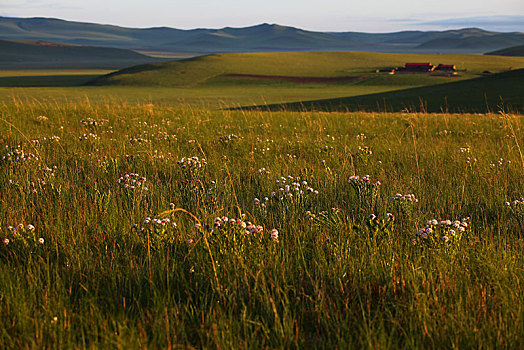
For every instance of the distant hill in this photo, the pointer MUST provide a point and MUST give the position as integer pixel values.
(46, 54)
(260, 38)
(474, 40)
(485, 94)
(249, 68)
(510, 51)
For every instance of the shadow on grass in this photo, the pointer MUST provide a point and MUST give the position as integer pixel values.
(46, 80)
(503, 91)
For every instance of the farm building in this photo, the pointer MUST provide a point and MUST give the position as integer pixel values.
(416, 68)
(446, 68)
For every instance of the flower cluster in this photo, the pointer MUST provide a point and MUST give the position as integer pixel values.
(365, 189)
(517, 209)
(498, 163)
(444, 132)
(23, 234)
(18, 155)
(292, 191)
(192, 165)
(90, 136)
(132, 182)
(404, 198)
(228, 138)
(163, 136)
(53, 138)
(363, 154)
(380, 228)
(326, 218)
(264, 171)
(326, 148)
(137, 140)
(470, 161)
(197, 192)
(403, 204)
(438, 234)
(262, 146)
(238, 228)
(157, 231)
(90, 122)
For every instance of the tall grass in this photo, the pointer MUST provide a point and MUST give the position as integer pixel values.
(333, 281)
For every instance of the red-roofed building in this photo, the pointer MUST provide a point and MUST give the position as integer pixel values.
(446, 68)
(417, 68)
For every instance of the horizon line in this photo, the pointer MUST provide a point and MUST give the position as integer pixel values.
(260, 24)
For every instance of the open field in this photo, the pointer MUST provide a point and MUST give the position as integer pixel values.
(510, 51)
(333, 276)
(38, 55)
(49, 77)
(159, 216)
(213, 69)
(235, 80)
(492, 93)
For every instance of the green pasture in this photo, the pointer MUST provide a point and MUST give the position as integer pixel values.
(493, 93)
(203, 82)
(89, 260)
(340, 279)
(204, 70)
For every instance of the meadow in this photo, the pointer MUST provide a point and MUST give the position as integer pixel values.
(128, 222)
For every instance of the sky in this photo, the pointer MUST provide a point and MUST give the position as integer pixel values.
(323, 15)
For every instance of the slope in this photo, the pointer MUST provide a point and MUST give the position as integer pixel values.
(45, 54)
(224, 69)
(503, 91)
(510, 51)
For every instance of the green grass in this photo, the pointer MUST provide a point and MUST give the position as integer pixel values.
(510, 51)
(60, 80)
(204, 70)
(98, 283)
(503, 91)
(202, 82)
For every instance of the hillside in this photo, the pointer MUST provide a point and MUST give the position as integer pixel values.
(259, 38)
(243, 69)
(45, 54)
(510, 51)
(490, 93)
(480, 41)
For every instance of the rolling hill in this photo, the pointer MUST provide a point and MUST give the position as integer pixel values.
(503, 91)
(260, 38)
(474, 40)
(249, 69)
(510, 51)
(50, 55)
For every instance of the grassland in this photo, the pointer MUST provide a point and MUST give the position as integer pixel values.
(49, 77)
(37, 54)
(114, 243)
(338, 280)
(510, 51)
(497, 92)
(214, 82)
(211, 70)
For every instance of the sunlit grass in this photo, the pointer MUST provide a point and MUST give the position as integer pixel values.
(339, 279)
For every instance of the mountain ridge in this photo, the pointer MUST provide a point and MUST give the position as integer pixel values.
(43, 54)
(256, 38)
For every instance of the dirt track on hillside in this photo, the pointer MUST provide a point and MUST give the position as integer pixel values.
(298, 79)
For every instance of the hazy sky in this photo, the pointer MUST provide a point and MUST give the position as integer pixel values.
(325, 15)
